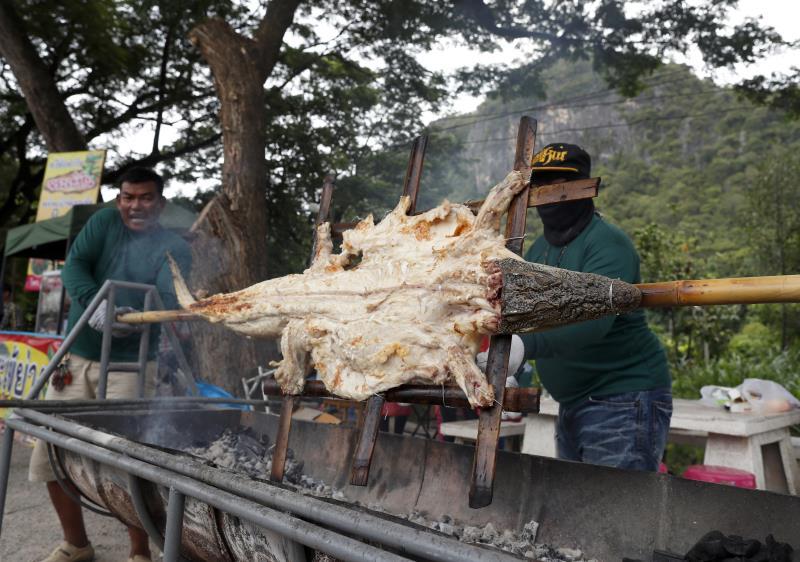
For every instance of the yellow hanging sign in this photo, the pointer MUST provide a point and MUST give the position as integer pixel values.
(70, 178)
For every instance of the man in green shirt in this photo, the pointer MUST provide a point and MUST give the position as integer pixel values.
(610, 375)
(123, 244)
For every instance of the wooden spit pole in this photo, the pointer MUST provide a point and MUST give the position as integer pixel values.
(704, 292)
(696, 292)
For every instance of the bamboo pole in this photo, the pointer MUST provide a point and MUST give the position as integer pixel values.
(151, 316)
(740, 290)
(697, 292)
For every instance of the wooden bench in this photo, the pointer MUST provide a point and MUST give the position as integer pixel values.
(760, 444)
(467, 430)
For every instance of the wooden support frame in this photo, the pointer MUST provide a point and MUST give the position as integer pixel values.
(287, 406)
(359, 472)
(485, 460)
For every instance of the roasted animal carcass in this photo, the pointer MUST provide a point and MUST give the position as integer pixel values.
(407, 300)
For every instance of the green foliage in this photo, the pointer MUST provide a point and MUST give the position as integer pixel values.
(706, 186)
(733, 367)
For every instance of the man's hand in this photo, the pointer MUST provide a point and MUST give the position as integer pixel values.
(515, 357)
(118, 329)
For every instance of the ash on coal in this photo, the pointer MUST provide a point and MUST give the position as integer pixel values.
(245, 452)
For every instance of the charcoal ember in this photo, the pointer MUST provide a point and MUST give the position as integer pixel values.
(529, 531)
(243, 451)
(322, 557)
(489, 533)
(570, 553)
(472, 534)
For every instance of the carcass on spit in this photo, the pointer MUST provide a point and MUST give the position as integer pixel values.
(406, 301)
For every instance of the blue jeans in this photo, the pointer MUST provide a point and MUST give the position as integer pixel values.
(627, 430)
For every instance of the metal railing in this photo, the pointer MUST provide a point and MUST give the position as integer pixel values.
(108, 292)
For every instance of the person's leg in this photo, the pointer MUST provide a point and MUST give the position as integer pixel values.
(566, 439)
(124, 385)
(625, 430)
(70, 514)
(660, 415)
(140, 543)
(400, 424)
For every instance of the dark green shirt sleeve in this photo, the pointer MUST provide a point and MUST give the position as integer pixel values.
(77, 274)
(613, 257)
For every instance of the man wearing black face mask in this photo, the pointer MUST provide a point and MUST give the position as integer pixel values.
(610, 375)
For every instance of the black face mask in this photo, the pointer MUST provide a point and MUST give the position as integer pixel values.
(564, 221)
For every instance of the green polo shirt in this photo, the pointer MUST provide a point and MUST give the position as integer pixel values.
(609, 355)
(106, 249)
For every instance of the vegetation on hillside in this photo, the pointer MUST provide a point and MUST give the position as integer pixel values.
(703, 181)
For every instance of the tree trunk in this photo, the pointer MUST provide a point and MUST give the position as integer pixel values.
(537, 297)
(229, 250)
(218, 355)
(52, 118)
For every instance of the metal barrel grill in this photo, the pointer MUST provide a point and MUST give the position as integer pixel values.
(608, 513)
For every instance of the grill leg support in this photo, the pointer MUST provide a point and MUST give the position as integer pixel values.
(172, 541)
(5, 469)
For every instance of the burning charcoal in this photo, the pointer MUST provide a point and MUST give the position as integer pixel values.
(708, 548)
(737, 546)
(529, 531)
(243, 451)
(472, 534)
(506, 540)
(322, 557)
(570, 554)
(489, 533)
(544, 552)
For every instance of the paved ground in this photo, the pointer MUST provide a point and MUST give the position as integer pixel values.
(31, 530)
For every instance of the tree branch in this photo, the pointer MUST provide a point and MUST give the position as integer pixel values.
(483, 15)
(37, 85)
(269, 34)
(110, 177)
(23, 131)
(162, 84)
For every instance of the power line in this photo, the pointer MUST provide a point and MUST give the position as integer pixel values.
(561, 103)
(544, 131)
(596, 94)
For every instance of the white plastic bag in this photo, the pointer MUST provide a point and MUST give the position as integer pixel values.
(719, 395)
(767, 397)
(753, 395)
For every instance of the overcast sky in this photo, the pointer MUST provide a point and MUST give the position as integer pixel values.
(783, 15)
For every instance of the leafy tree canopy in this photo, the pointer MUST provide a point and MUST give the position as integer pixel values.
(348, 81)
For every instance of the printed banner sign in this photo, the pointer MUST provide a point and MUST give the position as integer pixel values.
(70, 178)
(23, 357)
(36, 268)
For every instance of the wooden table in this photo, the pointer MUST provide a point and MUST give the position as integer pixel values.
(759, 444)
(467, 430)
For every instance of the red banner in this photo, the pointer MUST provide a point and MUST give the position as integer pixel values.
(23, 357)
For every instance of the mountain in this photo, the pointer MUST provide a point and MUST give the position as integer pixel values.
(680, 155)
